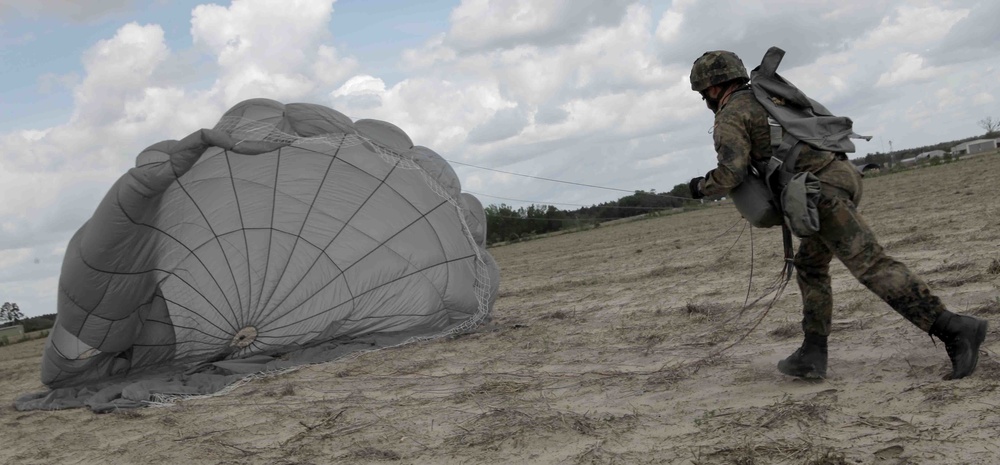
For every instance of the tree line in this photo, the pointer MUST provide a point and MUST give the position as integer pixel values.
(504, 223)
(10, 314)
(885, 160)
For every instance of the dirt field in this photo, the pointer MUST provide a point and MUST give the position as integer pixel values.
(601, 351)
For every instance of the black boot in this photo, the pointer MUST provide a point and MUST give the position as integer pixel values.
(809, 361)
(962, 335)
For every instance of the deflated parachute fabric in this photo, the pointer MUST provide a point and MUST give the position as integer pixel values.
(287, 230)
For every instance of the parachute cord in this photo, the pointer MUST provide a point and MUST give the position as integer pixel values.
(738, 237)
(750, 281)
(777, 294)
(775, 289)
(786, 239)
(776, 286)
(723, 233)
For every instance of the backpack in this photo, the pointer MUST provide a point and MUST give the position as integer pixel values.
(775, 194)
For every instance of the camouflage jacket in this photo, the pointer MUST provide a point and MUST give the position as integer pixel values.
(742, 134)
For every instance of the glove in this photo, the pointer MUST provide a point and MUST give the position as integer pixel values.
(695, 186)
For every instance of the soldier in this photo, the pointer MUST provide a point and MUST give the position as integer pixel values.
(742, 136)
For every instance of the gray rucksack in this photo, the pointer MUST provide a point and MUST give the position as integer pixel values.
(775, 194)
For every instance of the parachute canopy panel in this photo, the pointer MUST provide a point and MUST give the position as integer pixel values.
(284, 228)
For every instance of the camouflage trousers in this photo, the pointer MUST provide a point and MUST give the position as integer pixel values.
(845, 234)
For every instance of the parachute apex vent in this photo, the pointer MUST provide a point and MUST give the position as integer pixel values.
(244, 337)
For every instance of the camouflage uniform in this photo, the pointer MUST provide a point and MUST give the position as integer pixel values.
(742, 134)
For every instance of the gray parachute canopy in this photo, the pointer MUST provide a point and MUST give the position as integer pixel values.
(284, 231)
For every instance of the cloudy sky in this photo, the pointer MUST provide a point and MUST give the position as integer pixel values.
(587, 91)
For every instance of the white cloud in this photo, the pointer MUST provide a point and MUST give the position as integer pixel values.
(504, 124)
(116, 70)
(669, 26)
(359, 94)
(946, 98)
(609, 67)
(276, 35)
(586, 91)
(489, 24)
(432, 52)
(331, 68)
(906, 68)
(913, 27)
(434, 113)
(983, 98)
(13, 257)
(265, 48)
(74, 10)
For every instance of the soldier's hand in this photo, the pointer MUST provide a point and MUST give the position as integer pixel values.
(695, 186)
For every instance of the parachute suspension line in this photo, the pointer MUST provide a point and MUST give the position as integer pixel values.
(185, 246)
(482, 284)
(786, 240)
(295, 246)
(247, 129)
(777, 294)
(719, 236)
(749, 281)
(777, 289)
(399, 162)
(241, 318)
(348, 267)
(415, 272)
(215, 235)
(733, 245)
(689, 199)
(714, 239)
(270, 235)
(198, 328)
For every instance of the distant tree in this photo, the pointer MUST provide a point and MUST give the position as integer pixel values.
(10, 312)
(990, 125)
(681, 190)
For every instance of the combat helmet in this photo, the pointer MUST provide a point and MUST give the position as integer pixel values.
(716, 67)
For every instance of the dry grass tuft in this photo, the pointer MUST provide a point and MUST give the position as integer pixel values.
(556, 315)
(492, 388)
(956, 281)
(508, 427)
(668, 375)
(775, 451)
(911, 240)
(828, 457)
(288, 389)
(596, 454)
(371, 453)
(802, 412)
(665, 271)
(991, 307)
(786, 331)
(556, 286)
(128, 414)
(940, 396)
(950, 267)
(706, 310)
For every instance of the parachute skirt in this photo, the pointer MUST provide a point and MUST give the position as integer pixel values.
(286, 235)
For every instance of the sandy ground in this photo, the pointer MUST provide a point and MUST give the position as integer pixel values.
(605, 348)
